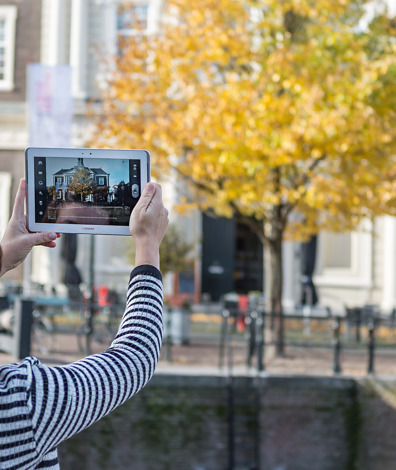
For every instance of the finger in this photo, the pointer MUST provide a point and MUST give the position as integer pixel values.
(49, 244)
(147, 195)
(149, 190)
(44, 238)
(158, 191)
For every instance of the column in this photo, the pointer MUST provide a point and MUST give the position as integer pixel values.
(389, 264)
(78, 47)
(53, 32)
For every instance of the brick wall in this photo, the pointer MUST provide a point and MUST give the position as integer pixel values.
(27, 44)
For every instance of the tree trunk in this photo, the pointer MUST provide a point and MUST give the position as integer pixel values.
(271, 235)
(276, 259)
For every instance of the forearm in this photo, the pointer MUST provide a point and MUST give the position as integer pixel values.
(91, 388)
(142, 323)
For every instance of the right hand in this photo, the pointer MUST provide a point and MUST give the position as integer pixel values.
(148, 224)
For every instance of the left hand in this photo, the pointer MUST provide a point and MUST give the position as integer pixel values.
(17, 240)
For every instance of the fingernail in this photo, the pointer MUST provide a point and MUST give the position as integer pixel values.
(52, 236)
(149, 187)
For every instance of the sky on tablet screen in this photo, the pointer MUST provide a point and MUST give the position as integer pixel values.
(118, 169)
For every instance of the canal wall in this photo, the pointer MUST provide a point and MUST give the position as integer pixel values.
(181, 422)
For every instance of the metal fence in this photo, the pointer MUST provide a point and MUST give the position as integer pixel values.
(221, 335)
(228, 329)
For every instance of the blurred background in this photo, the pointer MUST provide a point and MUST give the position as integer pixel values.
(271, 128)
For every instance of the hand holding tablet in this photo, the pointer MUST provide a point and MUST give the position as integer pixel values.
(84, 190)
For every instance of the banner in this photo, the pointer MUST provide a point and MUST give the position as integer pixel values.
(50, 114)
(50, 105)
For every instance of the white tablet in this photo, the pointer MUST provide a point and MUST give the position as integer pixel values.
(84, 190)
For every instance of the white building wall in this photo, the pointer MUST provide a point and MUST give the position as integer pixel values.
(388, 298)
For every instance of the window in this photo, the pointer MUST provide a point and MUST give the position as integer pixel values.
(340, 260)
(338, 250)
(132, 18)
(8, 16)
(101, 181)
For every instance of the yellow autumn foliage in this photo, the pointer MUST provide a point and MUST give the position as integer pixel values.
(270, 107)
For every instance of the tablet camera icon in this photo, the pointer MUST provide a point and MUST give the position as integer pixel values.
(40, 183)
(135, 190)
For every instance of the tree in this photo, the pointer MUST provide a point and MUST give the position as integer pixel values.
(279, 113)
(82, 183)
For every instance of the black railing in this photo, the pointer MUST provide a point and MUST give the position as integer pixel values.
(364, 330)
(237, 335)
(15, 332)
(27, 323)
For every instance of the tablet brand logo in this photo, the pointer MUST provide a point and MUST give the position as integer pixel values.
(87, 228)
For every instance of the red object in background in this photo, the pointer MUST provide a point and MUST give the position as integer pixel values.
(103, 295)
(243, 304)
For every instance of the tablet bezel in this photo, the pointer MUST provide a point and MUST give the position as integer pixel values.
(74, 153)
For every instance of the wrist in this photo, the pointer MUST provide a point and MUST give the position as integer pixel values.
(147, 253)
(4, 262)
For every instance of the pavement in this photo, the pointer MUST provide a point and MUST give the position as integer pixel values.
(202, 358)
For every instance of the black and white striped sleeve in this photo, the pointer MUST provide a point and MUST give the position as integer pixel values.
(65, 400)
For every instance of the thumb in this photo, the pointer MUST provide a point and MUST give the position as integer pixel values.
(147, 195)
(149, 190)
(42, 238)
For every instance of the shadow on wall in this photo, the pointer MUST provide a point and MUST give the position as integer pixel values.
(180, 422)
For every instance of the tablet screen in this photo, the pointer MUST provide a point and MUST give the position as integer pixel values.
(86, 190)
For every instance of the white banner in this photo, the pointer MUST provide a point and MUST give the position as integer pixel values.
(50, 113)
(50, 105)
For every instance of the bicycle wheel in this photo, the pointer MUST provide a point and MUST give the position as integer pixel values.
(98, 331)
(104, 328)
(84, 340)
(42, 333)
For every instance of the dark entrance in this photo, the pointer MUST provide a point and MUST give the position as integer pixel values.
(232, 258)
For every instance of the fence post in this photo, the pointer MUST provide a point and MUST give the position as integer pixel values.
(223, 336)
(261, 341)
(22, 327)
(358, 318)
(337, 345)
(371, 347)
(168, 339)
(251, 323)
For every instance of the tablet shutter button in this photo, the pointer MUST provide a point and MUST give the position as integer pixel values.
(135, 190)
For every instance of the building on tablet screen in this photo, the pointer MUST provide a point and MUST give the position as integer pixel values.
(80, 183)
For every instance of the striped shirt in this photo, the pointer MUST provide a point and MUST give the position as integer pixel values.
(41, 406)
